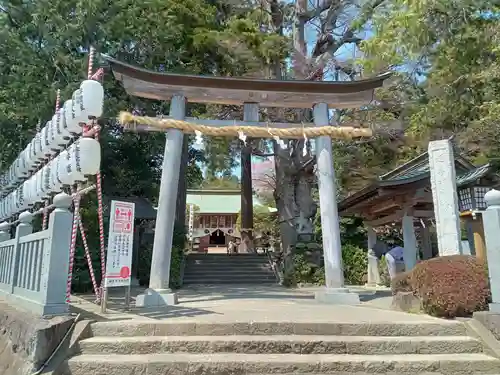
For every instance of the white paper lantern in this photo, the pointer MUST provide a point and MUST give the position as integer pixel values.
(63, 125)
(38, 154)
(24, 165)
(27, 193)
(78, 109)
(39, 194)
(70, 118)
(92, 94)
(23, 205)
(31, 191)
(64, 168)
(46, 135)
(76, 173)
(58, 138)
(45, 182)
(30, 152)
(55, 182)
(90, 156)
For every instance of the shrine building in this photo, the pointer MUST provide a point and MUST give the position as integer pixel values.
(215, 216)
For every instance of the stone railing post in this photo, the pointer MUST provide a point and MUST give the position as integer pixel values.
(56, 258)
(491, 220)
(24, 228)
(4, 232)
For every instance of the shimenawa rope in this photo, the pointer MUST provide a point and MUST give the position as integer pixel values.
(129, 120)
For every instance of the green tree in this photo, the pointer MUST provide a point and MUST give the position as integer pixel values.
(450, 49)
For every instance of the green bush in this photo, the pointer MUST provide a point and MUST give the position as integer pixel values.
(176, 261)
(385, 279)
(355, 265)
(449, 286)
(308, 272)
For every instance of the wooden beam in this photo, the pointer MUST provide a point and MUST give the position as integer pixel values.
(424, 214)
(395, 202)
(224, 96)
(397, 216)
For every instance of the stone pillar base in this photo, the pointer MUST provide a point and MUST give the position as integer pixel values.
(495, 308)
(337, 296)
(156, 298)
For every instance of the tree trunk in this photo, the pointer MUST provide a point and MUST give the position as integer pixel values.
(294, 169)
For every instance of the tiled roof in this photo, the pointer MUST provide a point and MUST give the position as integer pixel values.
(217, 202)
(473, 175)
(419, 168)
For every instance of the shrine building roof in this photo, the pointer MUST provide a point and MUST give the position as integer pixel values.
(412, 175)
(236, 91)
(218, 201)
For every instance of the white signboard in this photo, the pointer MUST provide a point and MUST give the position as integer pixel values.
(120, 244)
(191, 222)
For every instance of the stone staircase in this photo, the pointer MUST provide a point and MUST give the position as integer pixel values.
(417, 348)
(207, 269)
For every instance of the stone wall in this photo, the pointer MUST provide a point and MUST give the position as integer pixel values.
(27, 341)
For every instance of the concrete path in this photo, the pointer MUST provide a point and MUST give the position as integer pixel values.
(248, 303)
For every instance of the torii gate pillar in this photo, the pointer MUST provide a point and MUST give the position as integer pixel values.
(334, 291)
(159, 292)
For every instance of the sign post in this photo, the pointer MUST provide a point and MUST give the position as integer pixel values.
(120, 248)
(191, 222)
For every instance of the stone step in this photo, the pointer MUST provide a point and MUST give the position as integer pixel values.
(228, 270)
(230, 276)
(298, 344)
(193, 328)
(226, 261)
(236, 364)
(269, 281)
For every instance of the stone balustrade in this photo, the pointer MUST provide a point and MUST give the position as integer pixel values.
(34, 266)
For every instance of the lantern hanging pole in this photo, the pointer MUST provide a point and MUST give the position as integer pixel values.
(72, 248)
(89, 261)
(100, 211)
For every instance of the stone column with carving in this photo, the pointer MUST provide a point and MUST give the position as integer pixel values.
(444, 197)
(373, 273)
(426, 242)
(491, 221)
(335, 292)
(410, 247)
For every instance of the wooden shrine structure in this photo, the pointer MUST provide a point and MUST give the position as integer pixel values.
(403, 197)
(251, 94)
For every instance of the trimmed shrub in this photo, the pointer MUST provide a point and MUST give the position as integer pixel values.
(448, 287)
(355, 265)
(401, 282)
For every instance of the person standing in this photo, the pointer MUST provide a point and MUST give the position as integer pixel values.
(396, 254)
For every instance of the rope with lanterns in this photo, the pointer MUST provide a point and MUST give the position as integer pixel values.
(64, 153)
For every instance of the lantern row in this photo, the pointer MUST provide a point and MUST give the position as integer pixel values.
(70, 166)
(81, 160)
(65, 125)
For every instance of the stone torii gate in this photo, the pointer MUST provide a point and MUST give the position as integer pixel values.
(252, 94)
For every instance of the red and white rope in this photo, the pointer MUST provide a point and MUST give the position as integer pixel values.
(46, 208)
(91, 62)
(72, 248)
(98, 76)
(100, 215)
(89, 260)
